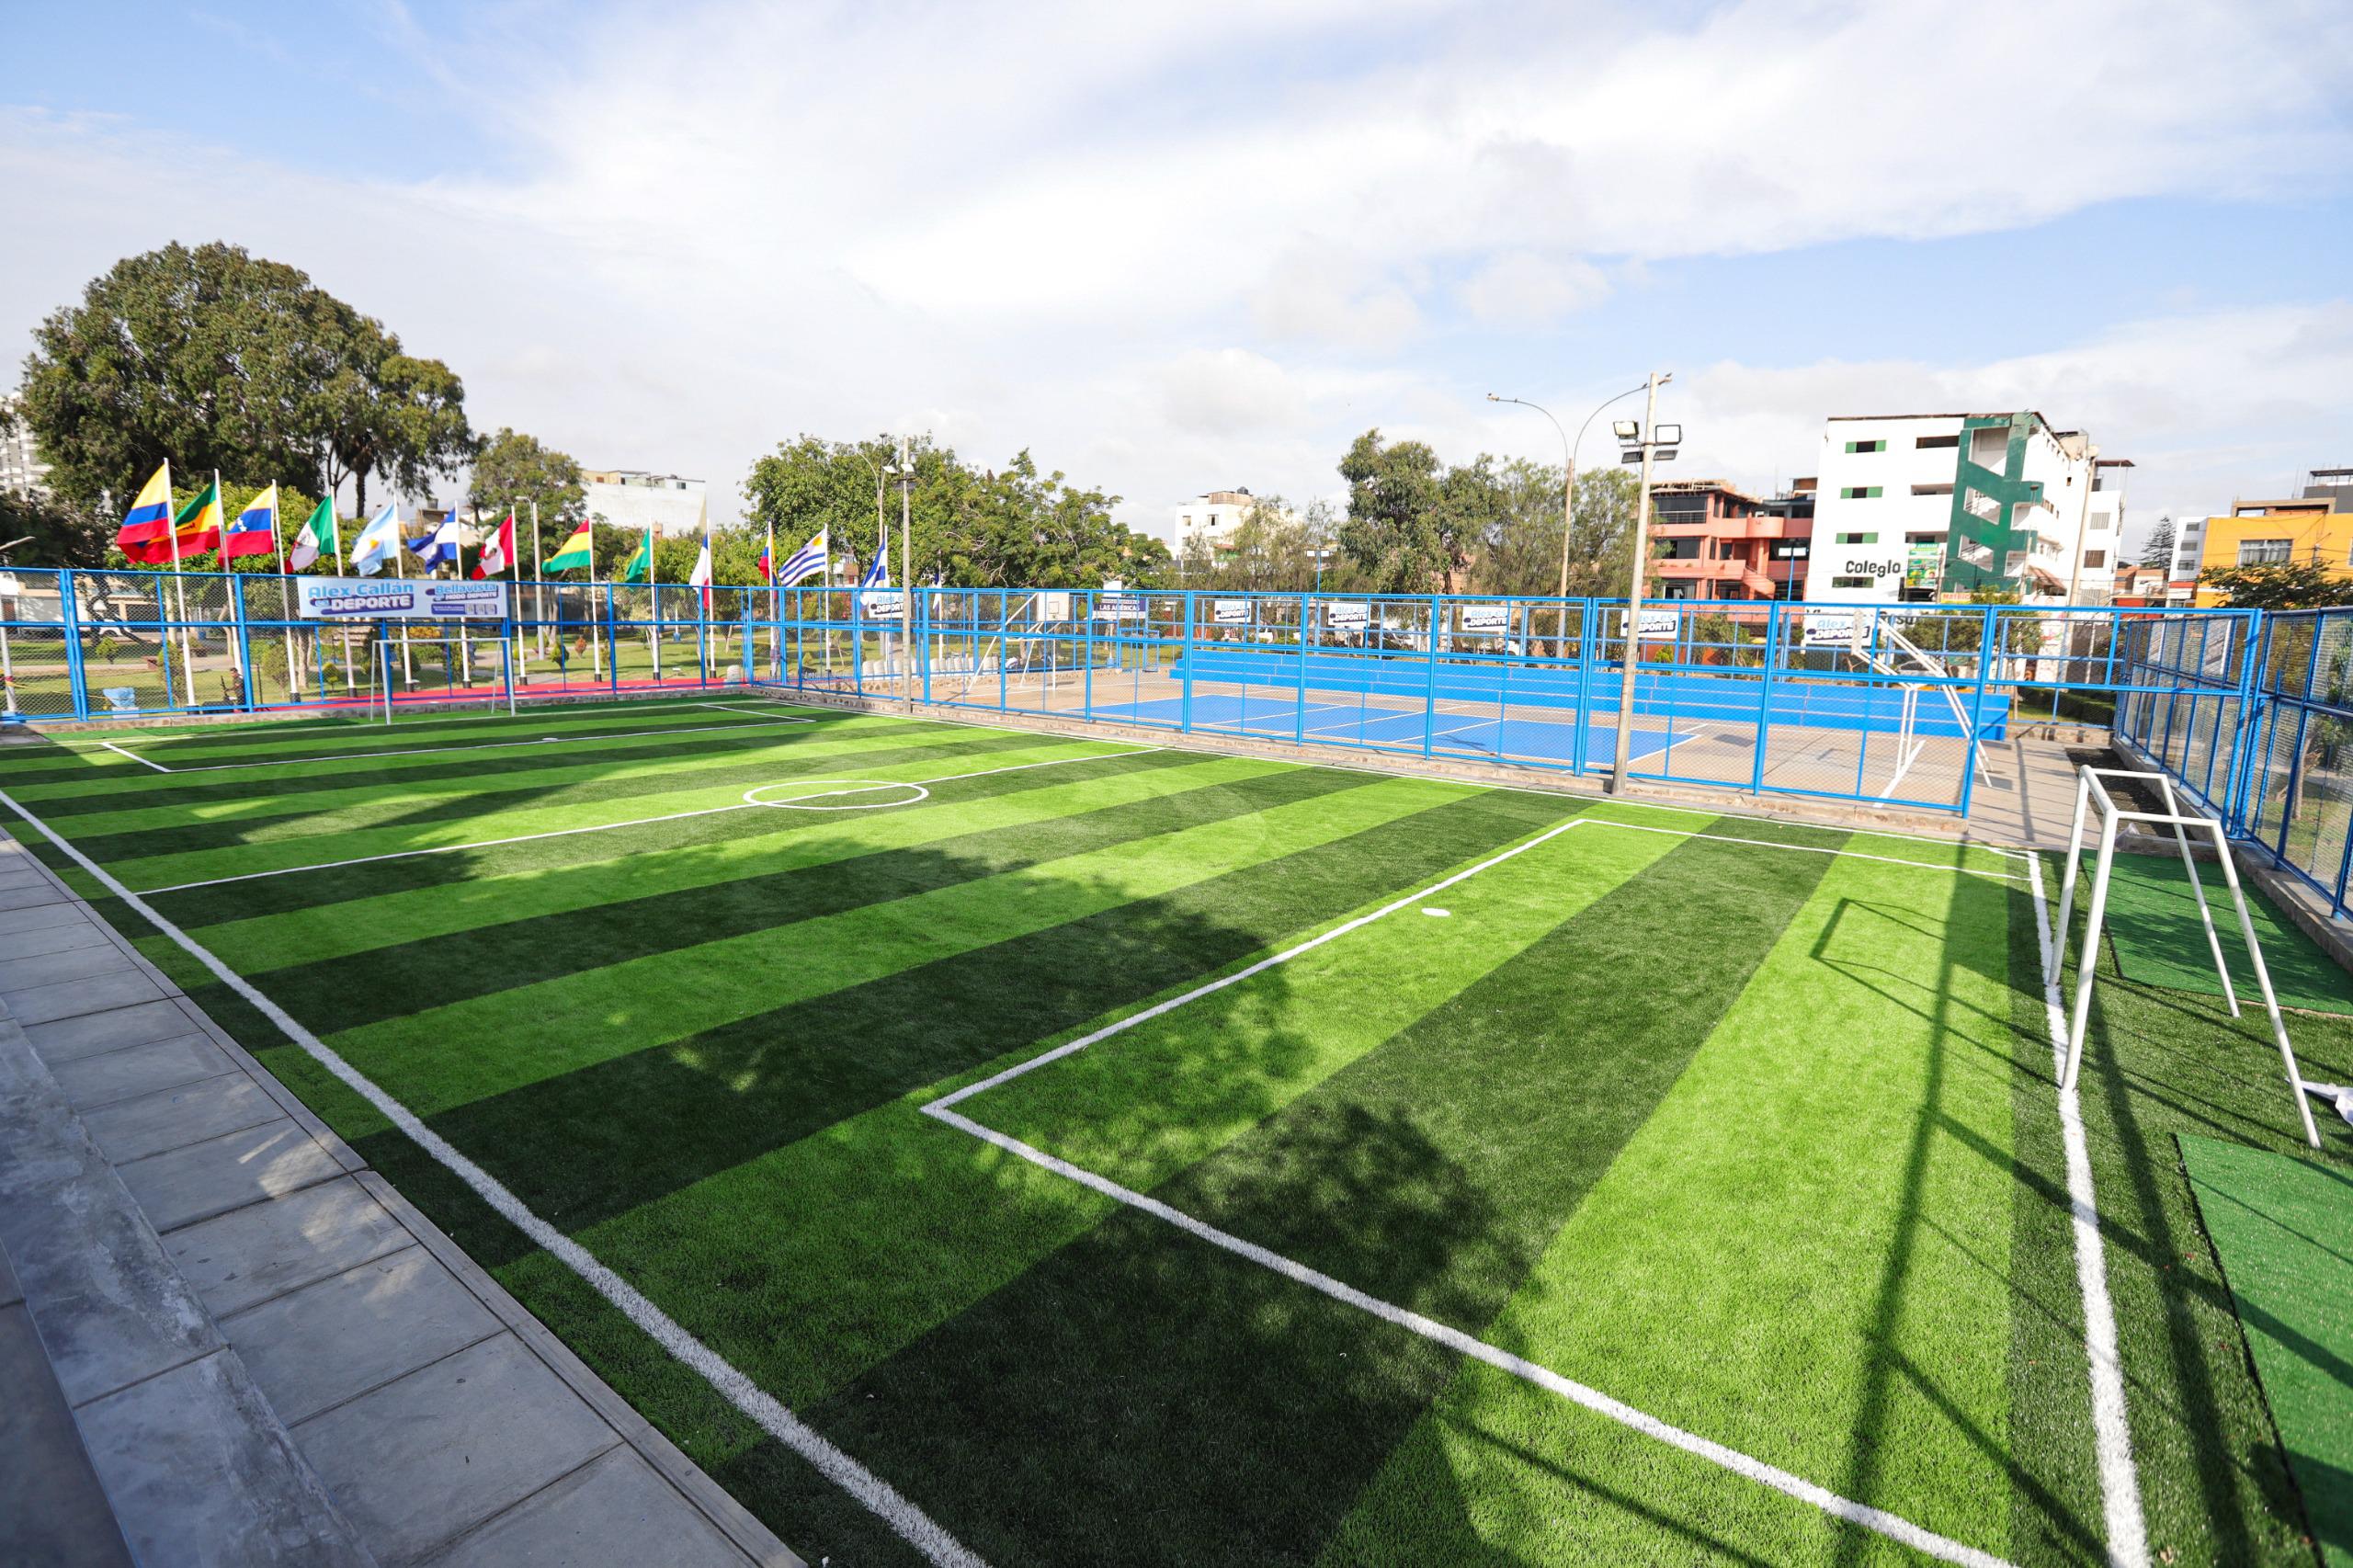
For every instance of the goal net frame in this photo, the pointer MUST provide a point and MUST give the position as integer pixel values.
(2089, 791)
(390, 645)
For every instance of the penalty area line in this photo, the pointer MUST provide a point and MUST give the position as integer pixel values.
(908, 1521)
(1879, 1520)
(478, 746)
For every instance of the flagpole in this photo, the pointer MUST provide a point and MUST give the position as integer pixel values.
(597, 628)
(335, 534)
(653, 597)
(179, 592)
(465, 646)
(400, 569)
(293, 668)
(538, 584)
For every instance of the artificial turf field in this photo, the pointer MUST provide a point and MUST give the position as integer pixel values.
(1691, 1189)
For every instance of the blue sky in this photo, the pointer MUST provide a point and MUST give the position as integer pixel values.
(1172, 247)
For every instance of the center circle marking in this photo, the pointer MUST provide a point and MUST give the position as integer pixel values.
(833, 794)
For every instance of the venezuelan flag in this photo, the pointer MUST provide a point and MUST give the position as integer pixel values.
(256, 530)
(149, 519)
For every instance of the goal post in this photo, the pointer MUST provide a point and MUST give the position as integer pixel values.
(456, 655)
(2091, 791)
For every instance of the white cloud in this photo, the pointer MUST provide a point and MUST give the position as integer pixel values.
(1168, 245)
(1522, 289)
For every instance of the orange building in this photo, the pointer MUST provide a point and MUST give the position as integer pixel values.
(1721, 542)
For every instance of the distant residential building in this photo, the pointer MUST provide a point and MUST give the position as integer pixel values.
(2143, 585)
(2181, 566)
(1924, 506)
(1211, 516)
(1718, 541)
(632, 498)
(21, 470)
(2315, 526)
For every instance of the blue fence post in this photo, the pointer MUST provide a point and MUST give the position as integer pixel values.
(1430, 689)
(1185, 657)
(70, 617)
(923, 637)
(244, 643)
(1765, 697)
(612, 646)
(1299, 736)
(1584, 677)
(1985, 648)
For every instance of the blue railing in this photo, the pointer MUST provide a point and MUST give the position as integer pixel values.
(1882, 704)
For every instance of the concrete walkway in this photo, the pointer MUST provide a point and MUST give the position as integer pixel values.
(224, 1340)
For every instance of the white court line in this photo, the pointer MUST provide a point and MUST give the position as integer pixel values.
(1893, 1526)
(2120, 1481)
(479, 746)
(908, 1521)
(1802, 848)
(634, 822)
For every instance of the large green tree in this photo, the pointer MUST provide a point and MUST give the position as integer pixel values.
(1392, 530)
(969, 526)
(518, 471)
(2287, 584)
(208, 356)
(212, 358)
(1522, 555)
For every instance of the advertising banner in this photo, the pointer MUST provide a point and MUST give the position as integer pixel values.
(1347, 615)
(1659, 625)
(1486, 620)
(1118, 607)
(1829, 628)
(373, 598)
(1230, 612)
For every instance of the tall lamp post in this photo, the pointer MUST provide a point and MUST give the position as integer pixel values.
(1647, 440)
(1568, 487)
(905, 471)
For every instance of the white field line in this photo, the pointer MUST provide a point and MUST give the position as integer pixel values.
(907, 1520)
(478, 746)
(1132, 1019)
(1802, 848)
(1894, 1526)
(1189, 743)
(633, 822)
(2120, 1481)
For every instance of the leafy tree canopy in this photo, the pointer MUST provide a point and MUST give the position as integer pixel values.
(215, 358)
(515, 470)
(2287, 584)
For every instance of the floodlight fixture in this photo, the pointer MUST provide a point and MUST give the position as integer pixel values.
(1667, 435)
(1627, 429)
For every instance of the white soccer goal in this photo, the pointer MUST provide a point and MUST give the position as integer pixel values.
(2089, 790)
(454, 657)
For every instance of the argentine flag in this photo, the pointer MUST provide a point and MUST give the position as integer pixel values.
(377, 541)
(809, 561)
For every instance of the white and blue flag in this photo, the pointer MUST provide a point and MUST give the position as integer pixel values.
(438, 547)
(811, 559)
(377, 541)
(876, 597)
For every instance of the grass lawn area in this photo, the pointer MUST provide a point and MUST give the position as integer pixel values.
(1136, 1155)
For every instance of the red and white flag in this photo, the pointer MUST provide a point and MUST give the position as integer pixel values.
(498, 551)
(700, 576)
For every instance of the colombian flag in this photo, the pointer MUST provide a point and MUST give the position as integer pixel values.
(148, 519)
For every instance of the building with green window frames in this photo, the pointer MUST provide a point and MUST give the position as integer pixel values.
(1929, 507)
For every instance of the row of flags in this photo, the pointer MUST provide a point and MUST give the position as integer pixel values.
(155, 534)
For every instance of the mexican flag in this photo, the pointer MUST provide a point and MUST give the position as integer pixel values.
(316, 537)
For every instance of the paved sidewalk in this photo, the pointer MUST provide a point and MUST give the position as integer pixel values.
(362, 1388)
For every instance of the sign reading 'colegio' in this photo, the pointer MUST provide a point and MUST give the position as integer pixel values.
(363, 598)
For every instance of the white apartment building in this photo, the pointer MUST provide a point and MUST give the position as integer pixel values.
(1211, 516)
(21, 470)
(1918, 507)
(632, 498)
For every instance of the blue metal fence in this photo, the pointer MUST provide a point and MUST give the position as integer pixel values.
(1886, 704)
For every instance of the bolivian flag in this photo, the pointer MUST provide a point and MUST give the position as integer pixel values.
(149, 520)
(576, 551)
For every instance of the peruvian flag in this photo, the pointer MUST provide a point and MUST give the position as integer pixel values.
(498, 551)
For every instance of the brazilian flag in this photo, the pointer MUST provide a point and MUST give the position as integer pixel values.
(639, 567)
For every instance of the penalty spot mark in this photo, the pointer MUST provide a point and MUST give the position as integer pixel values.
(1441, 914)
(810, 801)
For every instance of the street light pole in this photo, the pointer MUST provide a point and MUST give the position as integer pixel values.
(1568, 488)
(906, 569)
(1631, 641)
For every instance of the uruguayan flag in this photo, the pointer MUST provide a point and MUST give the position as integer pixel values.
(809, 561)
(377, 541)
